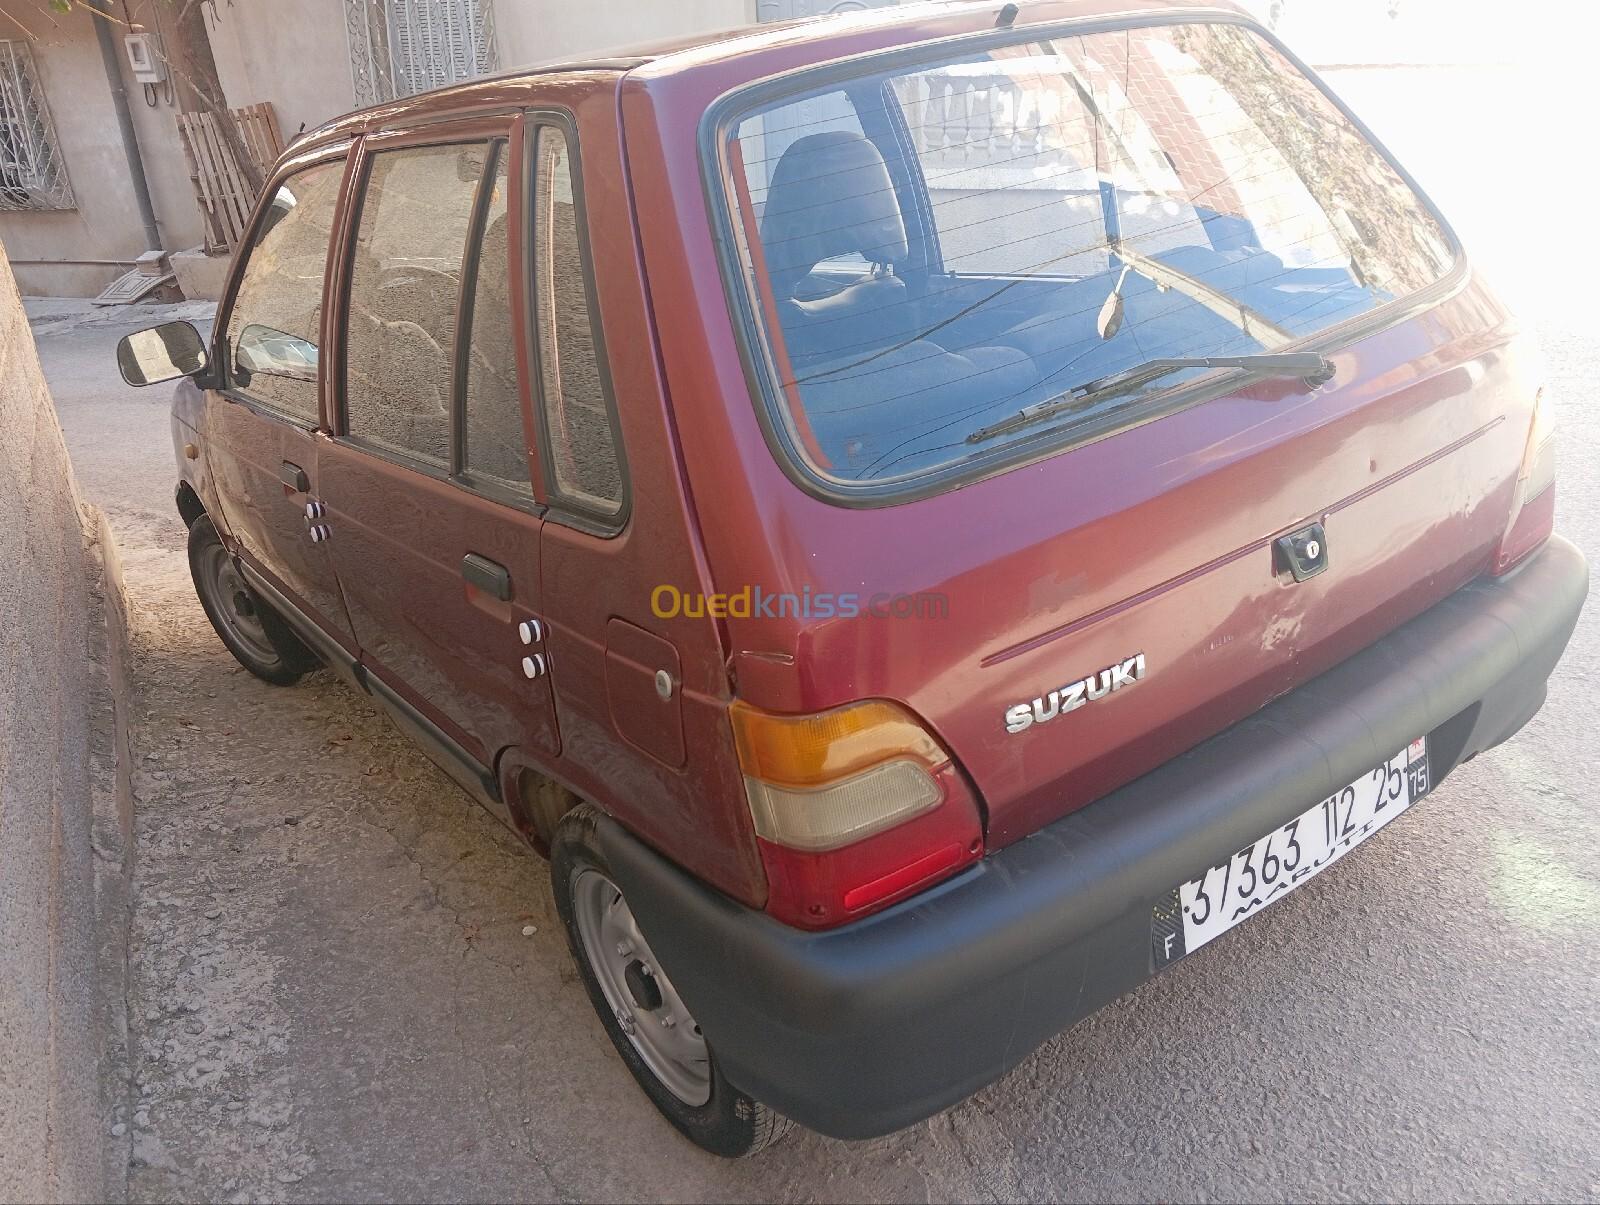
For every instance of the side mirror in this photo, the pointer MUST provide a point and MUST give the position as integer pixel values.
(162, 353)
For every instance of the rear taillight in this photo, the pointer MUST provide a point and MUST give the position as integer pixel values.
(853, 808)
(1533, 510)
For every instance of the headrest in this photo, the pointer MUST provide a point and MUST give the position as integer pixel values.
(830, 195)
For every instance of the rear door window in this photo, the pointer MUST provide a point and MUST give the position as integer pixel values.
(1187, 177)
(405, 282)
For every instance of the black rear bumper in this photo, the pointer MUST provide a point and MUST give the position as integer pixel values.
(862, 1030)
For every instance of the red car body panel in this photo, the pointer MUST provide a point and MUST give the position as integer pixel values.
(1146, 558)
(1156, 540)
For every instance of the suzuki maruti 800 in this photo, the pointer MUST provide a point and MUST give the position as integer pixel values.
(926, 517)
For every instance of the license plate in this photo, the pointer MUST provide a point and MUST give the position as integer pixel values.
(1203, 909)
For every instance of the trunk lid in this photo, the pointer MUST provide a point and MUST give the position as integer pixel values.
(1157, 544)
(959, 240)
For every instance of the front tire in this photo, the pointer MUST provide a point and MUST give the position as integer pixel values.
(254, 633)
(641, 1011)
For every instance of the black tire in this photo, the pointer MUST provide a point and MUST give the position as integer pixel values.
(253, 632)
(729, 1123)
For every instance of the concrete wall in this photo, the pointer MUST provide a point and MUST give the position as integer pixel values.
(56, 709)
(292, 53)
(105, 225)
(533, 31)
(296, 53)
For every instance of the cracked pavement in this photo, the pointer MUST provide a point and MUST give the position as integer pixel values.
(332, 997)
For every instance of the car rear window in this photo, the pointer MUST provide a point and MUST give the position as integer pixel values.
(930, 249)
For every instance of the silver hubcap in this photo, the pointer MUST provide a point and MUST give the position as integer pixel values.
(639, 994)
(236, 605)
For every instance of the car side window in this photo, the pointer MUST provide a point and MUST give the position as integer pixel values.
(496, 445)
(274, 325)
(583, 458)
(405, 280)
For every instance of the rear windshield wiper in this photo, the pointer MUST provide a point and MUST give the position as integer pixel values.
(1310, 367)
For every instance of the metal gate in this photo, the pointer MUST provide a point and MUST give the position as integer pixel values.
(399, 47)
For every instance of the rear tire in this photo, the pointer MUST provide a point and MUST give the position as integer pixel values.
(670, 1060)
(253, 632)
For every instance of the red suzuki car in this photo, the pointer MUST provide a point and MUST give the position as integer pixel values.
(927, 517)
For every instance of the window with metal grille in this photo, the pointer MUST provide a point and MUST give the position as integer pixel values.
(32, 175)
(398, 47)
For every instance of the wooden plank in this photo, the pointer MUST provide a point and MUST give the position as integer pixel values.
(207, 158)
(189, 136)
(238, 194)
(259, 129)
(225, 178)
(272, 136)
(195, 179)
(211, 203)
(201, 178)
(249, 132)
(224, 197)
(254, 135)
(226, 186)
(207, 162)
(266, 123)
(274, 130)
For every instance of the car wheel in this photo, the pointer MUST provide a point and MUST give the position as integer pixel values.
(256, 636)
(640, 1009)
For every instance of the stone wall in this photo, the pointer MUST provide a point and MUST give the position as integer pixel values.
(57, 740)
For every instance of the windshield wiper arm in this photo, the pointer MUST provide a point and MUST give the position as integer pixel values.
(1313, 369)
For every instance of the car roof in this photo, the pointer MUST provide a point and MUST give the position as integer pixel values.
(835, 35)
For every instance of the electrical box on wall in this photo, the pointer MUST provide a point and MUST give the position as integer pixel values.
(145, 57)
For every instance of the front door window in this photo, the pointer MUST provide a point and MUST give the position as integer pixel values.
(274, 327)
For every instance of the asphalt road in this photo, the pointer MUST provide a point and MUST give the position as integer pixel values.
(333, 998)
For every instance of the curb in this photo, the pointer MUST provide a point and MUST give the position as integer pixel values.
(111, 840)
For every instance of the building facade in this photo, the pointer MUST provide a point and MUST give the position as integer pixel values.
(69, 215)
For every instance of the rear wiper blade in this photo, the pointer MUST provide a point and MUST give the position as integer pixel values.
(1313, 369)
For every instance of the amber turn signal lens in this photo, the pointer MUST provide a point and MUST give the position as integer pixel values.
(800, 751)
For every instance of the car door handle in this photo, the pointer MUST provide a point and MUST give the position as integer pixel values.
(487, 575)
(293, 476)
